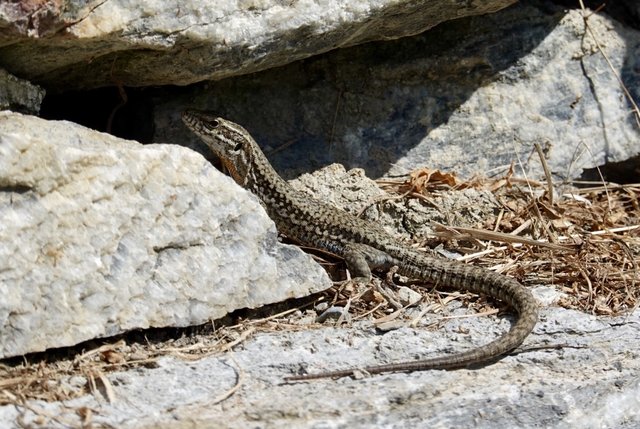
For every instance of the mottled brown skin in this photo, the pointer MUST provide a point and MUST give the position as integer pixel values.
(363, 245)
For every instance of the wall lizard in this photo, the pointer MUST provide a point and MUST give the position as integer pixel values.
(363, 245)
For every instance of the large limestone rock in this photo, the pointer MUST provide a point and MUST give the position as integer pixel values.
(100, 235)
(98, 43)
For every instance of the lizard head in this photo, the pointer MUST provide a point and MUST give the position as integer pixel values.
(229, 141)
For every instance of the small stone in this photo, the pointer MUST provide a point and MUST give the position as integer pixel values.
(391, 325)
(408, 296)
(333, 313)
(322, 306)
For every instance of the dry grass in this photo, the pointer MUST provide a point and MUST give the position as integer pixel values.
(584, 241)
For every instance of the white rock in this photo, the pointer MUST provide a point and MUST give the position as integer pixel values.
(100, 235)
(156, 42)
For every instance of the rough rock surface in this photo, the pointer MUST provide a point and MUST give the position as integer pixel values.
(591, 380)
(468, 96)
(67, 44)
(351, 190)
(19, 95)
(355, 193)
(99, 235)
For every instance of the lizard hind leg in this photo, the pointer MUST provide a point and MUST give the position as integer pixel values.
(361, 259)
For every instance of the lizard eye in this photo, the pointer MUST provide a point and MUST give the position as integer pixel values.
(237, 147)
(215, 123)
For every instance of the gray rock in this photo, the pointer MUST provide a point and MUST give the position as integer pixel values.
(469, 96)
(19, 95)
(99, 43)
(355, 193)
(408, 296)
(334, 314)
(590, 380)
(351, 190)
(100, 235)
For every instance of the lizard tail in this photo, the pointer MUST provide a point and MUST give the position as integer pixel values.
(465, 278)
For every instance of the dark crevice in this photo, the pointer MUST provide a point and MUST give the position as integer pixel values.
(121, 111)
(622, 172)
(176, 246)
(16, 189)
(158, 337)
